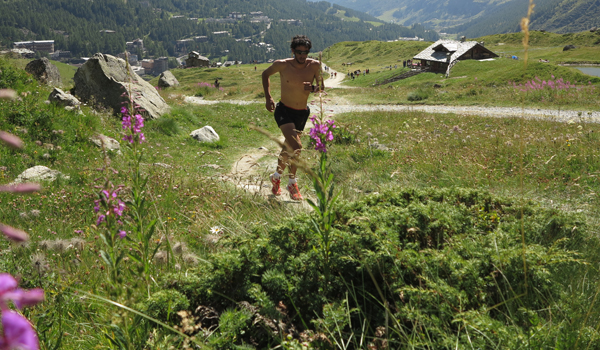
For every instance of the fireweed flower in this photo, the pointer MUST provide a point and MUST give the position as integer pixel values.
(14, 234)
(133, 126)
(321, 133)
(18, 332)
(109, 206)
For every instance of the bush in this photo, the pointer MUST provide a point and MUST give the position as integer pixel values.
(434, 256)
(165, 304)
(418, 95)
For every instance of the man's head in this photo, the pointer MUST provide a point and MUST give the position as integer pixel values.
(300, 48)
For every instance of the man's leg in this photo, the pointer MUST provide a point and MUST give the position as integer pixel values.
(292, 143)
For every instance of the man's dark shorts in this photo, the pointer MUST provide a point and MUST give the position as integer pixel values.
(284, 115)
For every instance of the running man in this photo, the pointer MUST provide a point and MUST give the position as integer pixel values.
(297, 75)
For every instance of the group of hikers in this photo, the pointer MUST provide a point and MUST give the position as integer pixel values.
(357, 73)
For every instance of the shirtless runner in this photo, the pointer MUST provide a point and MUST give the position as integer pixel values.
(291, 112)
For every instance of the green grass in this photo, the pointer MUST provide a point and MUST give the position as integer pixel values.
(428, 242)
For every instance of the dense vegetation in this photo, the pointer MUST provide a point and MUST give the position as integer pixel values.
(462, 232)
(76, 26)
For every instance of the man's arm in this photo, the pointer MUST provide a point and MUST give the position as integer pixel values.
(266, 82)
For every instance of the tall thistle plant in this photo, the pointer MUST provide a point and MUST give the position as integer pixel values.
(322, 135)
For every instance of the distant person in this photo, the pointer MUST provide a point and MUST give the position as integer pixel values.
(255, 68)
(217, 83)
(297, 76)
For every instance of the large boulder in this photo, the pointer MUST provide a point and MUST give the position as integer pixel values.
(106, 81)
(44, 71)
(167, 80)
(62, 98)
(205, 134)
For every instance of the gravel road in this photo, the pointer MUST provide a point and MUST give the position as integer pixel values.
(529, 113)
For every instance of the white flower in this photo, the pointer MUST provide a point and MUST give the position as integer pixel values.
(216, 230)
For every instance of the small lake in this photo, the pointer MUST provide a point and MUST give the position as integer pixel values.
(595, 71)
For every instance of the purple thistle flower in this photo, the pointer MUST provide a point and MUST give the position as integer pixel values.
(18, 332)
(122, 234)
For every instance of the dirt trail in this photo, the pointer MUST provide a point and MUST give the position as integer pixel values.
(251, 171)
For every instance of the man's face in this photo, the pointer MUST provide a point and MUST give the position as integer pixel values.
(300, 53)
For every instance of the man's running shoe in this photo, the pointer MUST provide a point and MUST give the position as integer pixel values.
(276, 185)
(294, 192)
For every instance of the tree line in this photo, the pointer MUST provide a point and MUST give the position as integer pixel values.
(88, 27)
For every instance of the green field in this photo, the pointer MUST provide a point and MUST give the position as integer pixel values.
(449, 232)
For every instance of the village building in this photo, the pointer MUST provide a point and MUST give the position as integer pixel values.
(196, 60)
(295, 22)
(36, 45)
(443, 54)
(161, 64)
(133, 46)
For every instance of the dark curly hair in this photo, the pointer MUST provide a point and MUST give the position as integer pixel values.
(300, 40)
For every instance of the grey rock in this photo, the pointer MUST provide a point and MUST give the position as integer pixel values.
(569, 47)
(106, 81)
(593, 29)
(44, 71)
(205, 134)
(379, 146)
(167, 80)
(39, 173)
(108, 143)
(62, 98)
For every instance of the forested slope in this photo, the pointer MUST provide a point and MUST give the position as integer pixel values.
(77, 25)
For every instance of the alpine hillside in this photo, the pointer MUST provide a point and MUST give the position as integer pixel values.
(477, 18)
(221, 30)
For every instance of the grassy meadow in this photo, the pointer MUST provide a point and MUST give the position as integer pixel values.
(450, 231)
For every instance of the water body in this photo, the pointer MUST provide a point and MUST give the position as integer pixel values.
(595, 71)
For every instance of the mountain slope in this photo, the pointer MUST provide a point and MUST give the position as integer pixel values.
(484, 17)
(80, 26)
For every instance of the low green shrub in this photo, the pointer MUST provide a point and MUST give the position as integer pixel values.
(418, 95)
(429, 261)
(164, 305)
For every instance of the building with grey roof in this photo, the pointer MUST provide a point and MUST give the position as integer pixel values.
(443, 53)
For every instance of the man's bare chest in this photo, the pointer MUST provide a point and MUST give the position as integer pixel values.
(292, 75)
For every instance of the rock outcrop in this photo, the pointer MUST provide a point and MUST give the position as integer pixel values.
(44, 71)
(205, 134)
(62, 98)
(108, 143)
(167, 80)
(39, 173)
(106, 81)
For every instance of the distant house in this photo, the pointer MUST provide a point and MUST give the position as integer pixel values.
(196, 60)
(36, 45)
(444, 53)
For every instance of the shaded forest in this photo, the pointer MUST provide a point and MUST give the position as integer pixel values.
(78, 26)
